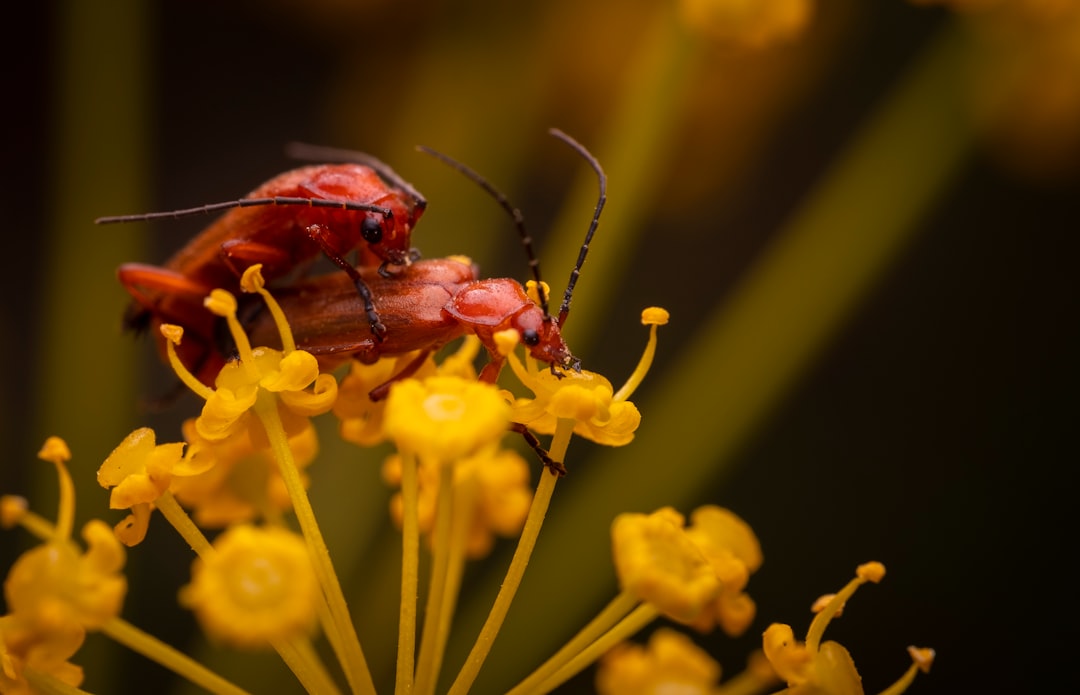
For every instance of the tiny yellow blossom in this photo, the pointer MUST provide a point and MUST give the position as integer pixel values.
(734, 552)
(237, 480)
(600, 413)
(26, 646)
(657, 562)
(671, 663)
(361, 417)
(12, 509)
(291, 375)
(814, 667)
(444, 418)
(53, 583)
(258, 586)
(500, 499)
(137, 472)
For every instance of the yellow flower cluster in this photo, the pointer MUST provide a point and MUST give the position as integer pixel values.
(56, 592)
(261, 583)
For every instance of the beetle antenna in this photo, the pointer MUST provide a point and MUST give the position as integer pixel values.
(519, 219)
(248, 203)
(564, 310)
(306, 152)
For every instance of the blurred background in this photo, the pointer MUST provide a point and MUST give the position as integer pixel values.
(862, 217)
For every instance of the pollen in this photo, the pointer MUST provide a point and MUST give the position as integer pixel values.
(55, 450)
(655, 316)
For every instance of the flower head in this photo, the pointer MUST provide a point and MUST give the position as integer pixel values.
(670, 663)
(137, 472)
(55, 584)
(444, 418)
(734, 553)
(257, 587)
(289, 374)
(599, 412)
(814, 667)
(237, 480)
(656, 561)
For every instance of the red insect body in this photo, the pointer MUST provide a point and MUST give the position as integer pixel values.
(425, 306)
(284, 238)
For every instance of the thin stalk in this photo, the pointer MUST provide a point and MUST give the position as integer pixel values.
(350, 655)
(541, 500)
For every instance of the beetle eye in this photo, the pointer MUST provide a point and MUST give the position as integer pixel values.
(371, 230)
(530, 337)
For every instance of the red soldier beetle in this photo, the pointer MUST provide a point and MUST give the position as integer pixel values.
(430, 303)
(284, 224)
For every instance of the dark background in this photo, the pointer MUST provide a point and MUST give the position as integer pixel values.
(935, 432)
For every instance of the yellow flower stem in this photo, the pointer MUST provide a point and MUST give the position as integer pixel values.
(176, 661)
(46, 684)
(449, 564)
(627, 627)
(440, 561)
(348, 651)
(178, 517)
(642, 368)
(410, 571)
(751, 681)
(304, 662)
(197, 387)
(541, 499)
(904, 682)
(826, 614)
(65, 515)
(615, 611)
(38, 526)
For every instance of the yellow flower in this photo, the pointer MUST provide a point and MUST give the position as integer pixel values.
(24, 646)
(444, 418)
(657, 562)
(361, 417)
(54, 583)
(237, 480)
(734, 553)
(499, 499)
(599, 412)
(257, 587)
(138, 471)
(671, 663)
(291, 375)
(816, 668)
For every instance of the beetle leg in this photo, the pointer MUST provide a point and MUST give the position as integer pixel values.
(318, 234)
(556, 467)
(491, 370)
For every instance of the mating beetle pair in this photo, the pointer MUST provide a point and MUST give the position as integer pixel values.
(335, 209)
